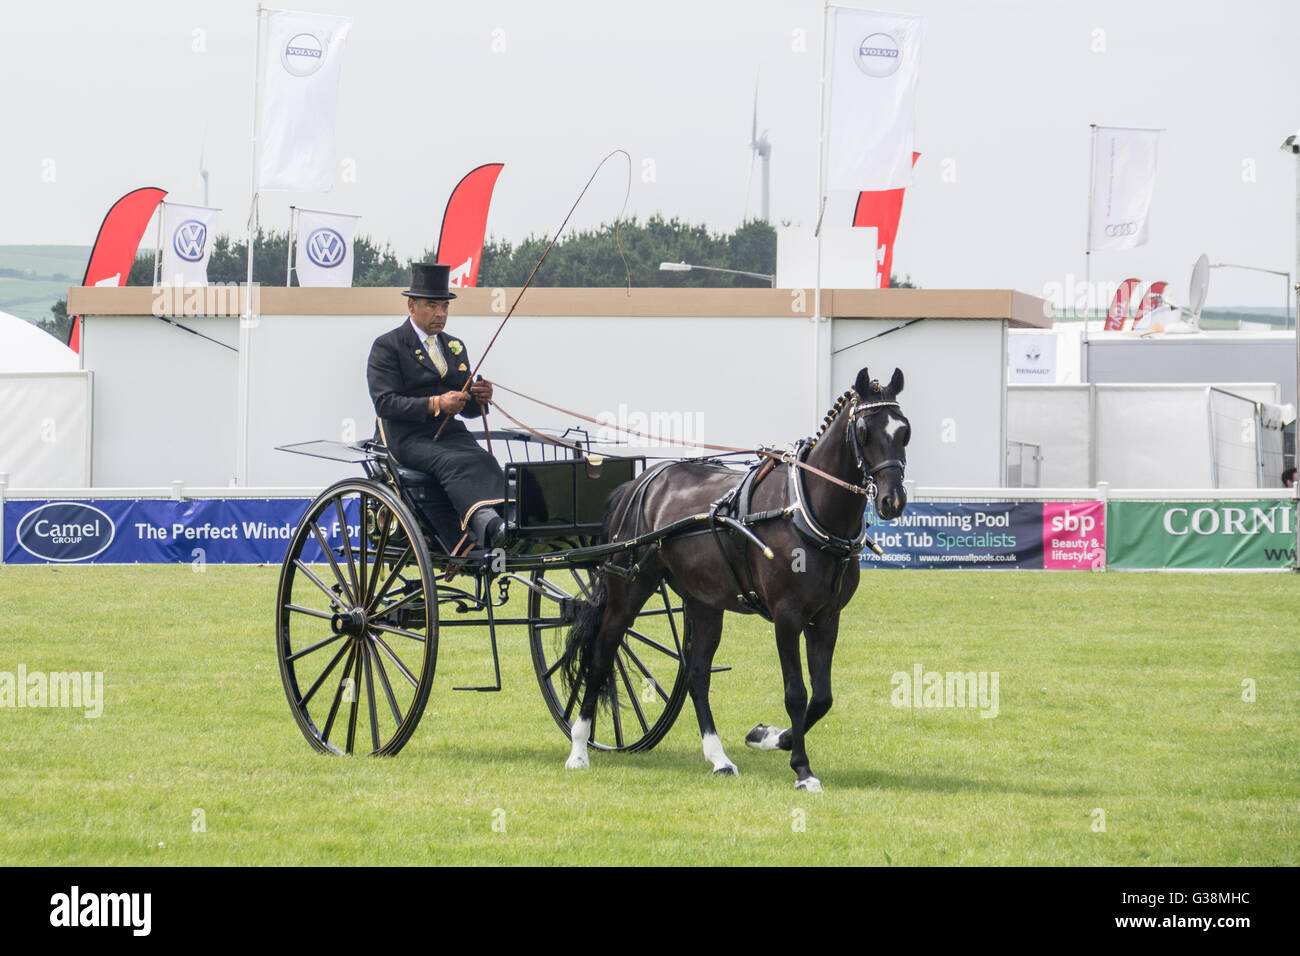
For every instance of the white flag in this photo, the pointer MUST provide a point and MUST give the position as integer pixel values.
(324, 256)
(1124, 178)
(186, 244)
(301, 64)
(875, 62)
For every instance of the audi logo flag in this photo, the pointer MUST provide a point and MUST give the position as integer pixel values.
(324, 250)
(186, 244)
(300, 65)
(875, 62)
(1123, 181)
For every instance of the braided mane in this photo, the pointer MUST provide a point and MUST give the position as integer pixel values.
(830, 416)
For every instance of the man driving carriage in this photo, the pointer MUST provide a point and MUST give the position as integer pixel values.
(417, 375)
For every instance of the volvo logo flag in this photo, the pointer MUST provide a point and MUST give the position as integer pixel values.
(875, 62)
(301, 62)
(1123, 182)
(186, 244)
(324, 250)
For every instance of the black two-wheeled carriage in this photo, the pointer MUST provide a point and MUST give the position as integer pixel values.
(370, 582)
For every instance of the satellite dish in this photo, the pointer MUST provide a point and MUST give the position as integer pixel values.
(1200, 285)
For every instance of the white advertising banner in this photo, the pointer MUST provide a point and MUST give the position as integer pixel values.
(324, 253)
(875, 61)
(301, 63)
(1031, 358)
(1123, 182)
(186, 244)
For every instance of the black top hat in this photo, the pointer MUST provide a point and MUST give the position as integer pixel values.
(429, 281)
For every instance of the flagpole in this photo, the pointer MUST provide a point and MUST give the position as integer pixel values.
(818, 396)
(157, 248)
(288, 252)
(1087, 250)
(246, 320)
(1092, 189)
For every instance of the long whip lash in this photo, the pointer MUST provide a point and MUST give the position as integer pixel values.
(550, 245)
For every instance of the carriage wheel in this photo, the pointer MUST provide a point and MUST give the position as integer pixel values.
(649, 676)
(356, 630)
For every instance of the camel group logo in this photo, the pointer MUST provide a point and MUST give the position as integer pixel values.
(65, 531)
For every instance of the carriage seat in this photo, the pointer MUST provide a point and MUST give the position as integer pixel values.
(436, 508)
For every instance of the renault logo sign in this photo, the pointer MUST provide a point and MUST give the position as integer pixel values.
(878, 55)
(326, 248)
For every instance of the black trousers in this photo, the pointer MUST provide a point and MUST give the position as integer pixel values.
(470, 476)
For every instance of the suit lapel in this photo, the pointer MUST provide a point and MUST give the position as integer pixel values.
(415, 346)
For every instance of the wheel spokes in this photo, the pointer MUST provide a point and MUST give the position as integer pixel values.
(388, 688)
(632, 697)
(380, 643)
(329, 553)
(338, 694)
(326, 590)
(347, 547)
(306, 698)
(314, 647)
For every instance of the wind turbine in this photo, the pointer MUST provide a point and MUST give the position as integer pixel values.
(760, 147)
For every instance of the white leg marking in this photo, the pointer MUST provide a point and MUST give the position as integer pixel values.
(714, 754)
(578, 755)
(764, 737)
(811, 784)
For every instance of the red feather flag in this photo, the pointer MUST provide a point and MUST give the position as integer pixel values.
(464, 225)
(882, 209)
(116, 245)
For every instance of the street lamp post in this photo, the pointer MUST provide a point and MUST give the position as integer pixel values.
(1276, 272)
(687, 267)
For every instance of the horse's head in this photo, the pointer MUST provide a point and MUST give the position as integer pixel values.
(878, 434)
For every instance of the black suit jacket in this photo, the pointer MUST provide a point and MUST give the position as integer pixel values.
(401, 377)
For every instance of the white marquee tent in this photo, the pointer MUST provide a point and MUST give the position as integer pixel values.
(44, 409)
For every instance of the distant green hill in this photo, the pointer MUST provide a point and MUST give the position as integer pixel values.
(33, 278)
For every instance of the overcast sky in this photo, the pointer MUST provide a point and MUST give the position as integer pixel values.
(105, 97)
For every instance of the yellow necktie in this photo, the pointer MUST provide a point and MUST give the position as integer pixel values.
(435, 353)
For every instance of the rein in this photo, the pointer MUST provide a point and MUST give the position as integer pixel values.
(786, 457)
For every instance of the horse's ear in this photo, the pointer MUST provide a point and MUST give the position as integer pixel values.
(896, 383)
(863, 385)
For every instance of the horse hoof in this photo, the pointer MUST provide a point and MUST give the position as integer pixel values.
(577, 763)
(730, 770)
(763, 737)
(810, 784)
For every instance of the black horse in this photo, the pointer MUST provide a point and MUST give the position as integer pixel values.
(812, 528)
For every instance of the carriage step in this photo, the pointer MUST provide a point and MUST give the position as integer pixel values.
(485, 690)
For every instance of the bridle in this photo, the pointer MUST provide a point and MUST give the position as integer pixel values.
(858, 409)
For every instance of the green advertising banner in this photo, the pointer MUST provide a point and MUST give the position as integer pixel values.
(1200, 534)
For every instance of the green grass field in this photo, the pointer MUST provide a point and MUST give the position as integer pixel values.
(1120, 693)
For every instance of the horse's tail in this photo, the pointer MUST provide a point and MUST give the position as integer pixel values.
(580, 644)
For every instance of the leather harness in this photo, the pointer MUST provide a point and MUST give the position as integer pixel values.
(732, 513)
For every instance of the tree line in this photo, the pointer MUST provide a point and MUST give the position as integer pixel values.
(592, 258)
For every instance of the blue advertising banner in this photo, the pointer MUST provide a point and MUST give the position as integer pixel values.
(966, 534)
(156, 531)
